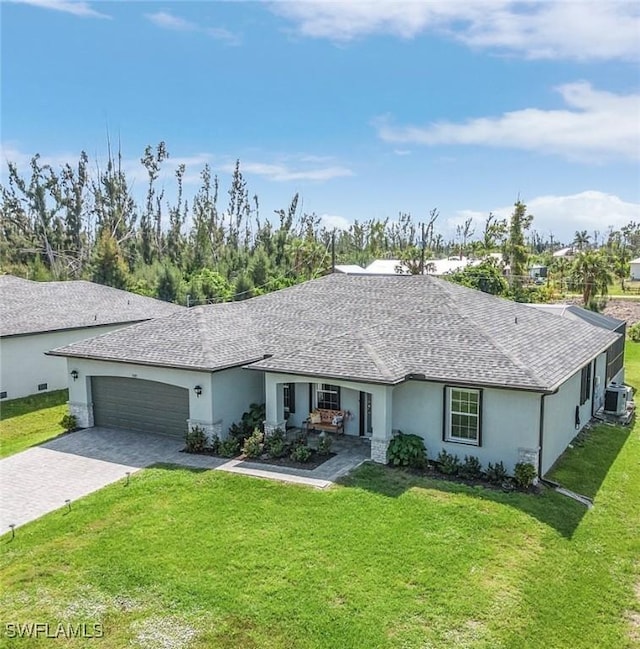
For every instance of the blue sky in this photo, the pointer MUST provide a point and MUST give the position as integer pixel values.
(365, 109)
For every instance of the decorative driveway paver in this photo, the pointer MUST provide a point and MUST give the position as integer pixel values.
(40, 479)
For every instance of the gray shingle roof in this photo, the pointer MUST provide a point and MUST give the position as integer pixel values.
(28, 307)
(369, 328)
(575, 312)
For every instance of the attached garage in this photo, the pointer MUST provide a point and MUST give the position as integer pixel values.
(135, 404)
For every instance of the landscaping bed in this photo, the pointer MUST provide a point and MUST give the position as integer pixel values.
(247, 441)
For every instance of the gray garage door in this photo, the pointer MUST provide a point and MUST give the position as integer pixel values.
(140, 405)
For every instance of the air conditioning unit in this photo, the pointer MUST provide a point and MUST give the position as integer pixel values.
(615, 399)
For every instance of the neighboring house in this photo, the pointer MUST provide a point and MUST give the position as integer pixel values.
(469, 372)
(537, 271)
(37, 316)
(350, 269)
(437, 267)
(563, 252)
(634, 266)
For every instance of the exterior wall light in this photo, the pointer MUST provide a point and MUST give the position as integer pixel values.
(74, 375)
(197, 390)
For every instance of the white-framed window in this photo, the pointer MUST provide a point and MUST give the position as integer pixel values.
(328, 396)
(463, 419)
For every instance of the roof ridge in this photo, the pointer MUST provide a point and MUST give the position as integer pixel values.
(381, 366)
(482, 330)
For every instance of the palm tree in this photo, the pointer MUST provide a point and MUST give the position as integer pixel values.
(581, 240)
(592, 275)
(561, 267)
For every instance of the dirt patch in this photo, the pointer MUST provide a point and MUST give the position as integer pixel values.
(621, 309)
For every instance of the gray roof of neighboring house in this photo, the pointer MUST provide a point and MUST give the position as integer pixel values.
(575, 312)
(367, 328)
(28, 307)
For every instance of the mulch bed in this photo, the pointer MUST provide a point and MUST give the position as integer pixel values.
(432, 471)
(314, 462)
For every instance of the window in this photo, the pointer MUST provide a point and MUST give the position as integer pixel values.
(328, 397)
(3, 395)
(463, 414)
(585, 384)
(289, 398)
(42, 386)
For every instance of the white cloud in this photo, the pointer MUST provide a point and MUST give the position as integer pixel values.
(595, 125)
(334, 221)
(283, 173)
(81, 9)
(166, 20)
(581, 29)
(563, 215)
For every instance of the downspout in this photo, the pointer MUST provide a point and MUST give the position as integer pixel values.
(593, 387)
(541, 435)
(541, 431)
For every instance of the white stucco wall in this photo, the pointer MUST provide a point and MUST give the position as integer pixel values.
(23, 364)
(80, 398)
(559, 419)
(234, 390)
(510, 421)
(634, 270)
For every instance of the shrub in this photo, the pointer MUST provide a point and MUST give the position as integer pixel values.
(407, 450)
(324, 445)
(634, 332)
(300, 453)
(524, 474)
(300, 440)
(448, 463)
(252, 419)
(195, 440)
(69, 423)
(471, 468)
(215, 444)
(252, 446)
(496, 473)
(229, 447)
(275, 444)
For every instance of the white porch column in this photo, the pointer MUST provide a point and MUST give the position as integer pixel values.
(381, 412)
(274, 406)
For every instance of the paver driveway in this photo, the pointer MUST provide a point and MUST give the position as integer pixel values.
(40, 479)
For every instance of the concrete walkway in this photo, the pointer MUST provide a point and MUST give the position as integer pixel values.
(41, 479)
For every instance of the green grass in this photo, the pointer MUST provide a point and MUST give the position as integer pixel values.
(386, 560)
(31, 420)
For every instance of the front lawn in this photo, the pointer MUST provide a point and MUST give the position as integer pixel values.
(183, 558)
(31, 420)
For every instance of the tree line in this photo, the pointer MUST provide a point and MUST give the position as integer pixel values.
(82, 221)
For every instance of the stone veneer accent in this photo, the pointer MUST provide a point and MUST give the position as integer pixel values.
(379, 450)
(270, 427)
(83, 413)
(210, 429)
(530, 455)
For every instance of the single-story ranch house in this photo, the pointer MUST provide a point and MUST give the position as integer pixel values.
(469, 372)
(37, 316)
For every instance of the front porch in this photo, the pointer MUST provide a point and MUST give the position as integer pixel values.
(366, 408)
